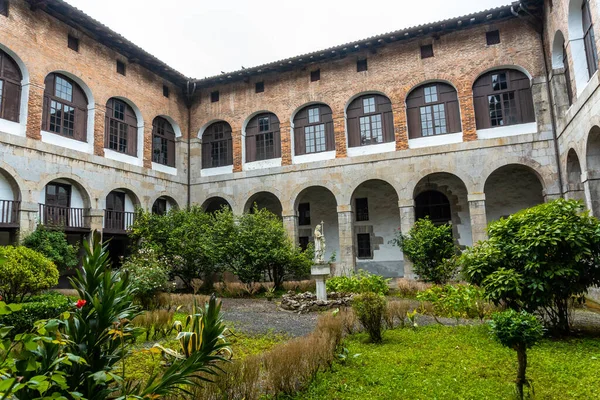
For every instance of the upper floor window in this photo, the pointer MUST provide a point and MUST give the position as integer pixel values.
(217, 150)
(313, 130)
(588, 38)
(10, 88)
(370, 121)
(432, 109)
(65, 107)
(163, 142)
(502, 98)
(120, 131)
(263, 141)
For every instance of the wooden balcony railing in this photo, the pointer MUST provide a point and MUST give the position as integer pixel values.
(9, 213)
(68, 218)
(118, 221)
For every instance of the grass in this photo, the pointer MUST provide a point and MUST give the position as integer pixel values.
(440, 362)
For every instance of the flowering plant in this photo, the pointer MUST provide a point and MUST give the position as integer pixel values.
(80, 303)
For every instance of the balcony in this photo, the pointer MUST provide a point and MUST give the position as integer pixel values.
(9, 213)
(67, 218)
(118, 222)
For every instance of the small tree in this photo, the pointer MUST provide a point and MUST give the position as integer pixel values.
(53, 244)
(518, 331)
(431, 249)
(538, 259)
(149, 275)
(370, 309)
(24, 272)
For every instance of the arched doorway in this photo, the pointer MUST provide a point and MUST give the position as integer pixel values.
(264, 200)
(10, 204)
(214, 204)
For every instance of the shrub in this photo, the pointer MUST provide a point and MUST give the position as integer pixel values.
(157, 323)
(149, 275)
(538, 259)
(409, 288)
(457, 301)
(395, 314)
(370, 309)
(53, 244)
(431, 249)
(362, 282)
(44, 306)
(518, 331)
(25, 272)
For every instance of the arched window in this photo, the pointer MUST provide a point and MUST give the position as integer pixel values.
(502, 98)
(163, 142)
(589, 42)
(313, 130)
(434, 205)
(432, 109)
(10, 88)
(560, 59)
(263, 140)
(65, 107)
(217, 149)
(370, 120)
(120, 131)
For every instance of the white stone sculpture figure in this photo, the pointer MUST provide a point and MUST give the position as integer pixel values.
(319, 244)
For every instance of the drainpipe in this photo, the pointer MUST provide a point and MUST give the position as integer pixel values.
(550, 95)
(190, 89)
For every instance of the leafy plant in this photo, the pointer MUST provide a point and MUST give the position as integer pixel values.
(538, 259)
(431, 249)
(518, 331)
(149, 275)
(44, 306)
(370, 309)
(456, 301)
(24, 273)
(361, 282)
(53, 244)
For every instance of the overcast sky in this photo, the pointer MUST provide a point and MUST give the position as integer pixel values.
(202, 38)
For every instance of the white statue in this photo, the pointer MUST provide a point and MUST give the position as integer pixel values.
(319, 244)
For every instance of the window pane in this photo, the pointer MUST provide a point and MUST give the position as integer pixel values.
(365, 130)
(304, 214)
(376, 129)
(362, 209)
(119, 110)
(509, 108)
(218, 153)
(309, 139)
(495, 110)
(439, 118)
(499, 81)
(364, 245)
(369, 105)
(122, 137)
(63, 89)
(431, 94)
(219, 131)
(313, 115)
(263, 124)
(320, 137)
(426, 121)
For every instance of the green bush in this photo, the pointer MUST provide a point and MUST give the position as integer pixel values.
(53, 244)
(370, 309)
(149, 275)
(431, 249)
(457, 301)
(44, 306)
(25, 272)
(362, 282)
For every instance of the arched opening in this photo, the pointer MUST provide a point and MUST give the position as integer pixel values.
(560, 61)
(442, 197)
(582, 42)
(313, 206)
(511, 188)
(432, 109)
(215, 204)
(574, 186)
(64, 204)
(163, 142)
(124, 128)
(10, 204)
(263, 138)
(119, 216)
(369, 120)
(65, 107)
(264, 200)
(10, 88)
(217, 146)
(502, 98)
(592, 158)
(313, 130)
(163, 205)
(376, 219)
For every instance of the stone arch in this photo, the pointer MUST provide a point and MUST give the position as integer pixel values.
(410, 188)
(364, 93)
(163, 204)
(175, 125)
(215, 203)
(25, 83)
(542, 173)
(72, 179)
(574, 187)
(264, 199)
(487, 69)
(204, 127)
(127, 189)
(10, 188)
(327, 185)
(592, 153)
(558, 48)
(511, 188)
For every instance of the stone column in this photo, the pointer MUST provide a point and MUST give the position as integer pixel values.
(237, 144)
(35, 107)
(96, 220)
(339, 130)
(28, 219)
(407, 220)
(478, 216)
(99, 121)
(290, 223)
(286, 143)
(347, 260)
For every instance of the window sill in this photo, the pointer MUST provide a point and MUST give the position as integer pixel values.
(63, 141)
(14, 128)
(312, 157)
(227, 169)
(270, 163)
(505, 131)
(371, 149)
(164, 168)
(437, 140)
(115, 155)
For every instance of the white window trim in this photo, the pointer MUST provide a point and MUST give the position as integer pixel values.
(435, 140)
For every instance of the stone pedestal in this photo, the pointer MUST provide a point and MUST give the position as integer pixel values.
(320, 272)
(478, 216)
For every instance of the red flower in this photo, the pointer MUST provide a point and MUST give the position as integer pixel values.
(80, 303)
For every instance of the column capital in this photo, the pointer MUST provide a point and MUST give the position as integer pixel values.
(289, 214)
(403, 203)
(476, 197)
(344, 208)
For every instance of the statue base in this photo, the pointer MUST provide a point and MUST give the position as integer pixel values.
(320, 272)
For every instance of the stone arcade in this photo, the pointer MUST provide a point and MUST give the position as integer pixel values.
(464, 120)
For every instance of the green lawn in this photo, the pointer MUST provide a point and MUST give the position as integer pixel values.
(440, 362)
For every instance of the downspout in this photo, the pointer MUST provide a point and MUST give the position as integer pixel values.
(190, 89)
(549, 92)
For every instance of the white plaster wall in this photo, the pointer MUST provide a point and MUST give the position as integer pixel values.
(129, 207)
(115, 155)
(6, 191)
(164, 168)
(323, 208)
(510, 190)
(59, 140)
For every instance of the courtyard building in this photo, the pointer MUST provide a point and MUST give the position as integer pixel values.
(463, 121)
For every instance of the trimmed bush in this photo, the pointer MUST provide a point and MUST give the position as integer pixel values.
(457, 301)
(53, 244)
(370, 309)
(362, 282)
(24, 272)
(44, 306)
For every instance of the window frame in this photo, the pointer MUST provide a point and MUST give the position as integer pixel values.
(121, 68)
(222, 146)
(304, 129)
(492, 38)
(160, 206)
(362, 65)
(163, 130)
(263, 138)
(362, 209)
(355, 111)
(5, 61)
(358, 246)
(423, 208)
(427, 51)
(304, 214)
(589, 41)
(79, 111)
(124, 129)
